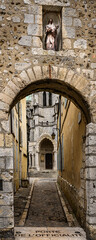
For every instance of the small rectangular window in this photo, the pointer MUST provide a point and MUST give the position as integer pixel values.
(1, 185)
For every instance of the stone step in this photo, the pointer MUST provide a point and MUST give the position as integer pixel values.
(48, 233)
(43, 174)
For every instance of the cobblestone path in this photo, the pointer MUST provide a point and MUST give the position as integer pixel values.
(45, 208)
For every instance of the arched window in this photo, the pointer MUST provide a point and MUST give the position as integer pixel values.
(44, 98)
(50, 99)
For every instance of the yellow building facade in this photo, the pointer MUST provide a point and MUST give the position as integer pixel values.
(19, 131)
(72, 130)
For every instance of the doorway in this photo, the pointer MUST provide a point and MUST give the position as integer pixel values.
(48, 161)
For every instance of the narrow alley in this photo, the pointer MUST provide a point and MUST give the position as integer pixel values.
(45, 208)
(47, 216)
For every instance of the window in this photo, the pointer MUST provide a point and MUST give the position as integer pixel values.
(44, 98)
(50, 99)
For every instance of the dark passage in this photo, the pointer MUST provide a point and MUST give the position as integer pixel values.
(45, 208)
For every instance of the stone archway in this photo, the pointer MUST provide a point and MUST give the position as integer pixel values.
(58, 80)
(54, 151)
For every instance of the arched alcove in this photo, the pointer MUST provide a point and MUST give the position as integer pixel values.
(46, 149)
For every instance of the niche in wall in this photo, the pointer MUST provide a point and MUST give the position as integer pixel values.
(54, 13)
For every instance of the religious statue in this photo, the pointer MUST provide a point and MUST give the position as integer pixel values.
(51, 36)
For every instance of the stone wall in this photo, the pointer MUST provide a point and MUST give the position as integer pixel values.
(26, 67)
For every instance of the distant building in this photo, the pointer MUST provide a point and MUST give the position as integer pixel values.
(42, 111)
(19, 131)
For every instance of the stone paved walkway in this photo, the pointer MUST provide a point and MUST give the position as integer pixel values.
(45, 208)
(20, 200)
(46, 219)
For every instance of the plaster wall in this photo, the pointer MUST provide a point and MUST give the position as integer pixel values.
(72, 182)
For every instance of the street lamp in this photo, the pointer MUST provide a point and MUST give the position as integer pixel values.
(53, 135)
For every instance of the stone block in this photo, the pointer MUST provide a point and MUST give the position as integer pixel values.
(34, 30)
(91, 140)
(36, 42)
(23, 75)
(5, 125)
(1, 223)
(31, 74)
(45, 70)
(91, 220)
(8, 222)
(66, 44)
(62, 73)
(8, 140)
(88, 73)
(54, 2)
(27, 1)
(29, 18)
(69, 76)
(14, 87)
(8, 187)
(6, 199)
(69, 53)
(91, 209)
(5, 98)
(1, 140)
(54, 71)
(2, 7)
(2, 163)
(37, 51)
(1, 18)
(3, 115)
(6, 211)
(8, 91)
(77, 22)
(38, 19)
(35, 9)
(80, 44)
(90, 189)
(38, 72)
(90, 161)
(22, 66)
(69, 12)
(91, 129)
(6, 152)
(67, 21)
(90, 150)
(18, 82)
(93, 65)
(6, 176)
(91, 173)
(16, 19)
(9, 163)
(25, 41)
(68, 32)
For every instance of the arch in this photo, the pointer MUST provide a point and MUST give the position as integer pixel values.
(54, 79)
(46, 136)
(47, 151)
(57, 80)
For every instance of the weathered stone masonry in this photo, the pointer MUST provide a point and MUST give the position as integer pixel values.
(70, 71)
